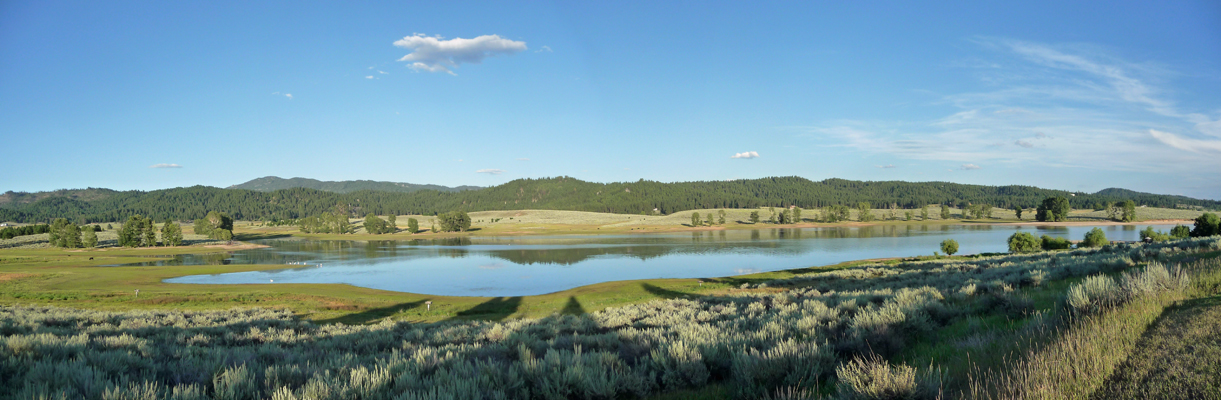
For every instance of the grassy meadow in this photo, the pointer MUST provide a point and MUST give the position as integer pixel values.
(1065, 324)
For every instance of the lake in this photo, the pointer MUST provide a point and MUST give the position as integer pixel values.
(530, 265)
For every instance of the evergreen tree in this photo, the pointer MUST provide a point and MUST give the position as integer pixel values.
(709, 220)
(924, 213)
(392, 223)
(148, 229)
(1017, 210)
(695, 219)
(945, 212)
(375, 225)
(413, 226)
(754, 217)
(455, 221)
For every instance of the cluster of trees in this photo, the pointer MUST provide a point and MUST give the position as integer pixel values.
(561, 193)
(1053, 209)
(377, 226)
(454, 221)
(1024, 242)
(335, 221)
(696, 221)
(1206, 225)
(216, 225)
(12, 232)
(68, 235)
(1178, 232)
(1122, 211)
(979, 211)
(140, 231)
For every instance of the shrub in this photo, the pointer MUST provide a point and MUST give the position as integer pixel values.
(1180, 232)
(1095, 238)
(1056, 243)
(873, 378)
(1023, 242)
(949, 246)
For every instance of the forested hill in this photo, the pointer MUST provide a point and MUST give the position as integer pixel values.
(562, 193)
(273, 183)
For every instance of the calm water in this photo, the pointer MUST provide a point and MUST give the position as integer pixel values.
(529, 265)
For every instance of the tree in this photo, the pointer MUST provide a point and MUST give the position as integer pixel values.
(796, 215)
(149, 230)
(907, 215)
(754, 217)
(1024, 242)
(171, 234)
(949, 246)
(784, 217)
(1017, 210)
(945, 211)
(1053, 209)
(721, 217)
(864, 211)
(1114, 211)
(413, 226)
(131, 234)
(89, 238)
(1094, 238)
(1129, 211)
(1206, 225)
(454, 221)
(1180, 232)
(773, 218)
(215, 222)
(392, 223)
(1055, 243)
(695, 219)
(924, 213)
(65, 234)
(1150, 234)
(709, 220)
(376, 225)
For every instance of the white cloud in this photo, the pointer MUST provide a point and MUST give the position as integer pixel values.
(289, 96)
(1024, 143)
(968, 167)
(434, 54)
(383, 72)
(544, 49)
(887, 166)
(491, 171)
(749, 154)
(369, 77)
(1193, 145)
(165, 166)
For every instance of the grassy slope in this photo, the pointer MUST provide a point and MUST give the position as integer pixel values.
(1179, 357)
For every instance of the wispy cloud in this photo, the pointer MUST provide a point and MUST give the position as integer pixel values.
(383, 72)
(165, 166)
(491, 171)
(887, 166)
(369, 77)
(748, 154)
(968, 167)
(289, 96)
(544, 49)
(1044, 105)
(435, 54)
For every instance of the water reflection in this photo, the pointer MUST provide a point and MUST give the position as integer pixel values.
(525, 265)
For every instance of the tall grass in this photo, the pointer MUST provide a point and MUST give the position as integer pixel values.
(806, 338)
(1105, 320)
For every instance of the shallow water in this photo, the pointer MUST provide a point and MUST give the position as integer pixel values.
(530, 265)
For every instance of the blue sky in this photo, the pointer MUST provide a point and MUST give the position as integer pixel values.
(1067, 95)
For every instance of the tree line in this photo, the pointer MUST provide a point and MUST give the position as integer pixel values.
(565, 193)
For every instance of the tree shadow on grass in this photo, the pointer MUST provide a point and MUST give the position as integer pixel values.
(573, 307)
(495, 309)
(245, 236)
(373, 314)
(662, 292)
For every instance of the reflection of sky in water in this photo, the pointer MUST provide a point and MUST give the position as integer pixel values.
(516, 266)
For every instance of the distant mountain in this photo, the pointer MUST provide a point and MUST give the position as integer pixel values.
(11, 199)
(559, 193)
(274, 183)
